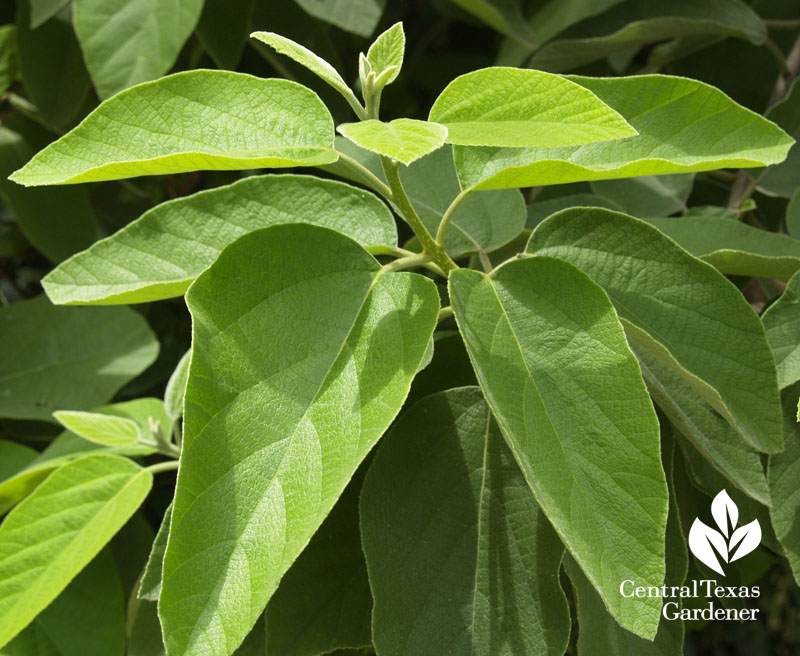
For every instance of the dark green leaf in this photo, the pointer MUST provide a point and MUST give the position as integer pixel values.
(223, 29)
(782, 325)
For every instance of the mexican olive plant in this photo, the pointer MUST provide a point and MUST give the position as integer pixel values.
(596, 343)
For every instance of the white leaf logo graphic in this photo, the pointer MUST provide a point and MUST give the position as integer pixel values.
(706, 542)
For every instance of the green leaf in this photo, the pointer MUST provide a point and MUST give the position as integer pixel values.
(324, 602)
(733, 247)
(101, 429)
(388, 50)
(57, 222)
(461, 559)
(683, 126)
(567, 393)
(782, 325)
(512, 107)
(206, 120)
(403, 139)
(450, 367)
(555, 16)
(150, 585)
(86, 619)
(42, 10)
(540, 210)
(9, 57)
(679, 309)
(651, 195)
(782, 179)
(176, 388)
(634, 23)
(169, 246)
(782, 473)
(710, 434)
(77, 510)
(52, 66)
(57, 358)
(793, 214)
(145, 631)
(14, 458)
(126, 42)
(223, 29)
(505, 16)
(277, 334)
(357, 16)
(309, 60)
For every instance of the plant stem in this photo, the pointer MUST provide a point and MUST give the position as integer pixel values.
(429, 244)
(781, 24)
(777, 53)
(167, 465)
(445, 313)
(448, 215)
(408, 262)
(374, 181)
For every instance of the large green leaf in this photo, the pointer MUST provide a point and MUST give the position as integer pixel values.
(783, 473)
(14, 457)
(683, 126)
(86, 619)
(554, 16)
(56, 358)
(513, 107)
(734, 247)
(403, 139)
(52, 67)
(323, 602)
(42, 10)
(223, 29)
(634, 23)
(58, 221)
(503, 15)
(126, 42)
(77, 510)
(679, 309)
(782, 325)
(298, 366)
(9, 57)
(567, 393)
(650, 195)
(783, 178)
(357, 16)
(461, 558)
(205, 120)
(710, 434)
(161, 253)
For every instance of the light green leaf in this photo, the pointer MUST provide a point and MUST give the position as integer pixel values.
(782, 473)
(710, 434)
(679, 309)
(176, 388)
(150, 585)
(169, 246)
(311, 61)
(206, 120)
(86, 619)
(58, 221)
(403, 139)
(14, 458)
(223, 29)
(126, 42)
(324, 602)
(52, 66)
(388, 50)
(503, 15)
(100, 429)
(77, 510)
(145, 631)
(357, 16)
(651, 195)
(9, 59)
(782, 179)
(42, 10)
(734, 247)
(635, 23)
(683, 126)
(567, 393)
(57, 358)
(477, 570)
(782, 325)
(64, 449)
(502, 106)
(326, 348)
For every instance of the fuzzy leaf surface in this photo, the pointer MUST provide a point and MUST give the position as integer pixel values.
(403, 139)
